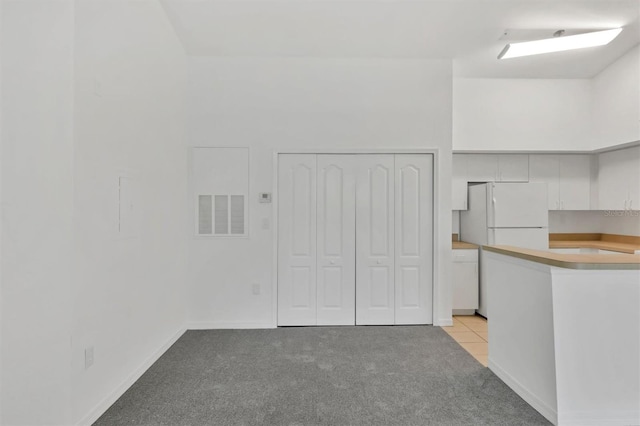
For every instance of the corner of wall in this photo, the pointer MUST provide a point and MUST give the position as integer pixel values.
(615, 95)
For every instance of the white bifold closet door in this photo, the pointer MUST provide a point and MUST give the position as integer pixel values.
(414, 239)
(336, 255)
(374, 232)
(355, 239)
(297, 239)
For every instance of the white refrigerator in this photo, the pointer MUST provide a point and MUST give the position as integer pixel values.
(514, 214)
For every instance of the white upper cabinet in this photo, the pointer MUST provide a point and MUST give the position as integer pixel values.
(619, 179)
(568, 179)
(459, 183)
(634, 179)
(497, 167)
(513, 168)
(485, 168)
(546, 169)
(575, 182)
(481, 167)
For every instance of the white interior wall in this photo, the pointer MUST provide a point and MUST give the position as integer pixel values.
(91, 90)
(129, 298)
(616, 102)
(549, 114)
(619, 222)
(521, 114)
(1, 210)
(37, 210)
(277, 104)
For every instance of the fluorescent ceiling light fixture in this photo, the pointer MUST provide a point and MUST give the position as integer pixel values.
(559, 44)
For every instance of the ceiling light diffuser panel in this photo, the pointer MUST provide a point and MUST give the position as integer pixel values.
(559, 44)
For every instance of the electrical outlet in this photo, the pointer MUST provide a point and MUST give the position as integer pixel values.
(88, 357)
(255, 289)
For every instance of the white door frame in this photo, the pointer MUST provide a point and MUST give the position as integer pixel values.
(436, 217)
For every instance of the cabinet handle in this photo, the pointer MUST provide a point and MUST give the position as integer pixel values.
(557, 205)
(625, 204)
(630, 204)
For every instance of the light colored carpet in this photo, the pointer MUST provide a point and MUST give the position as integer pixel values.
(402, 375)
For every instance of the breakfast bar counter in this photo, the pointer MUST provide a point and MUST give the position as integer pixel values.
(571, 261)
(564, 332)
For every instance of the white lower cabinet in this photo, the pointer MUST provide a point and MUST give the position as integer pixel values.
(465, 280)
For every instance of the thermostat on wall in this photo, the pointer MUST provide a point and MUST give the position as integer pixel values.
(265, 197)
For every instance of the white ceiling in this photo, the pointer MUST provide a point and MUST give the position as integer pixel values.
(467, 31)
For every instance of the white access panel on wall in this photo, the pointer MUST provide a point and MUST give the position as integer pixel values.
(414, 239)
(297, 239)
(375, 292)
(336, 277)
(220, 182)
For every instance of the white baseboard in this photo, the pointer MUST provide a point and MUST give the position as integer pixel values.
(542, 407)
(444, 322)
(214, 325)
(600, 418)
(104, 405)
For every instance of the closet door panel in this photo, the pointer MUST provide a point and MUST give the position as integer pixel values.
(297, 239)
(336, 240)
(413, 239)
(375, 240)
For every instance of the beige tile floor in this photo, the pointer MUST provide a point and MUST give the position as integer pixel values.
(471, 333)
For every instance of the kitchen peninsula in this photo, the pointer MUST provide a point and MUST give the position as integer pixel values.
(564, 332)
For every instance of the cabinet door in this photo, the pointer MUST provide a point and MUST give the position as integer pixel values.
(634, 178)
(613, 186)
(546, 169)
(575, 182)
(482, 167)
(465, 285)
(459, 179)
(513, 168)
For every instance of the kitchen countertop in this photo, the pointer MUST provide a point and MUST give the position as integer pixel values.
(461, 245)
(621, 243)
(571, 261)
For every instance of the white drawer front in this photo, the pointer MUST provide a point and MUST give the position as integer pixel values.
(465, 255)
